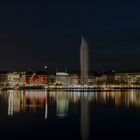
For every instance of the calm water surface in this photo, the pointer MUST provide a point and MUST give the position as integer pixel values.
(38, 114)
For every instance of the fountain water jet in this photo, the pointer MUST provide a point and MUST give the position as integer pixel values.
(84, 61)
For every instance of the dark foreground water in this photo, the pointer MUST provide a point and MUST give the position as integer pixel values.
(42, 115)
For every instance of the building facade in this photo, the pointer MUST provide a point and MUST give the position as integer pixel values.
(62, 79)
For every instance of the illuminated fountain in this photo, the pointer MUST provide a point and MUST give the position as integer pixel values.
(84, 62)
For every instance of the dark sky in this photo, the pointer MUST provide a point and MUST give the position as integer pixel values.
(37, 33)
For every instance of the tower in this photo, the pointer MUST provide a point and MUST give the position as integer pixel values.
(84, 61)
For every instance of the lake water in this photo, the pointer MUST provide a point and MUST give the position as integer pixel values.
(38, 114)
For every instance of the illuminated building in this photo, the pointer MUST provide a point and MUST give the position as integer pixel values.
(84, 61)
(14, 79)
(3, 79)
(62, 78)
(32, 78)
(134, 77)
(121, 76)
(110, 77)
(51, 79)
(74, 79)
(90, 82)
(101, 78)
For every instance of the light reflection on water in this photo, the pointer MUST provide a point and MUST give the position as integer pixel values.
(19, 101)
(65, 104)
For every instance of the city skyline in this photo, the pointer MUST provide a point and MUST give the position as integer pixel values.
(69, 69)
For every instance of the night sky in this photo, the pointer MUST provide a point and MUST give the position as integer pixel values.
(37, 33)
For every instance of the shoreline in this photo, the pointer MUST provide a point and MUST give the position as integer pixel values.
(72, 89)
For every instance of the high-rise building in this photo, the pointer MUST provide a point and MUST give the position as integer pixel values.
(84, 61)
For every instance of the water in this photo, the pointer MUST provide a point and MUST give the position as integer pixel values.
(38, 114)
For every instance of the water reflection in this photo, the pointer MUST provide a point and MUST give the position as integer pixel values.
(46, 105)
(64, 104)
(15, 102)
(84, 117)
(128, 98)
(21, 101)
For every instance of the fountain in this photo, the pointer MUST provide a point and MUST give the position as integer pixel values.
(84, 62)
